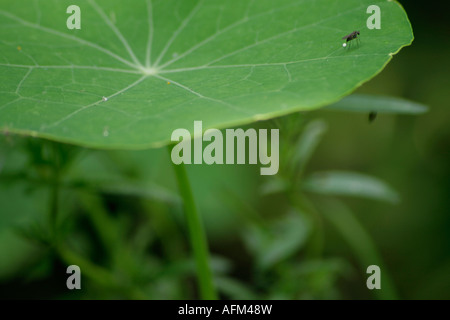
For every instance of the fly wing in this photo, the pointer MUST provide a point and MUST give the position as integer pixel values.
(347, 36)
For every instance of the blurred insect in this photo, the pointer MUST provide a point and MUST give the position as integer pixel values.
(350, 37)
(372, 116)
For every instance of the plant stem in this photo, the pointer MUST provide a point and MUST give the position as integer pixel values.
(317, 238)
(197, 235)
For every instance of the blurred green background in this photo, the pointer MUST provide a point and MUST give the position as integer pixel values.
(120, 210)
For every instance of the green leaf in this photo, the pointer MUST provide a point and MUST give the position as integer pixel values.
(369, 103)
(282, 240)
(308, 142)
(137, 70)
(17, 252)
(359, 241)
(17, 214)
(235, 289)
(350, 184)
(274, 185)
(311, 279)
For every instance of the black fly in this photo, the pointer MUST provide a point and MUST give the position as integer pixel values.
(350, 37)
(372, 116)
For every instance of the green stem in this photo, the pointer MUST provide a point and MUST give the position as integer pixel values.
(318, 237)
(316, 243)
(197, 235)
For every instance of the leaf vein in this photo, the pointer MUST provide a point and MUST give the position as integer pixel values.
(183, 24)
(116, 31)
(148, 58)
(96, 103)
(66, 36)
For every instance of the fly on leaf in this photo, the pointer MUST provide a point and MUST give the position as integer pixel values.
(350, 37)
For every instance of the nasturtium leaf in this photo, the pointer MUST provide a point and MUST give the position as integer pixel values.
(137, 70)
